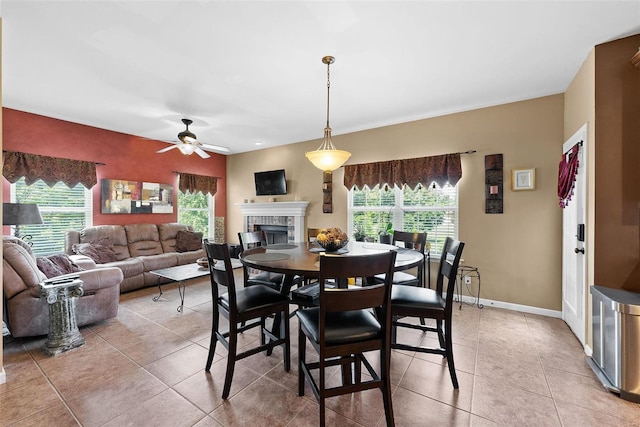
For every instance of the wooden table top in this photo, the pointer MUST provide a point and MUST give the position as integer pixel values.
(302, 258)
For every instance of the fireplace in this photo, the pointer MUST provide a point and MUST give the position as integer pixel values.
(286, 219)
(275, 233)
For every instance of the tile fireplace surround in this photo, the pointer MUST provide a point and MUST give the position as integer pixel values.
(290, 214)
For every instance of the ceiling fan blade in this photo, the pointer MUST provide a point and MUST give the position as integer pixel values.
(201, 153)
(164, 150)
(215, 147)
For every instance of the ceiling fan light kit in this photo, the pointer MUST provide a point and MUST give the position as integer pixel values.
(189, 143)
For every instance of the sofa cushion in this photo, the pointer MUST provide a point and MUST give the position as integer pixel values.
(56, 265)
(188, 241)
(101, 251)
(130, 267)
(143, 239)
(156, 262)
(189, 257)
(168, 233)
(115, 233)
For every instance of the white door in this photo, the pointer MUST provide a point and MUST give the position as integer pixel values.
(573, 244)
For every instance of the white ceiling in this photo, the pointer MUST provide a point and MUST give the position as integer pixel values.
(250, 72)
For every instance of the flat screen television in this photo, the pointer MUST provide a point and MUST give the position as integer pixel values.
(270, 183)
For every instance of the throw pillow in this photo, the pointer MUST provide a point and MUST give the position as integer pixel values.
(56, 265)
(101, 251)
(188, 241)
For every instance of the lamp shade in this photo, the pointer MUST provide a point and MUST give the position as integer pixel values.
(187, 148)
(328, 160)
(20, 214)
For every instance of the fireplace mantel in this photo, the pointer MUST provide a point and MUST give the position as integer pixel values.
(295, 210)
(273, 209)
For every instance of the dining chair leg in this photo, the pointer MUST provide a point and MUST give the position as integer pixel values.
(285, 332)
(385, 368)
(321, 381)
(277, 320)
(231, 360)
(214, 340)
(441, 333)
(394, 329)
(449, 354)
(302, 357)
(357, 369)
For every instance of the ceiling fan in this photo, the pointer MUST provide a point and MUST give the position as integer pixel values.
(188, 143)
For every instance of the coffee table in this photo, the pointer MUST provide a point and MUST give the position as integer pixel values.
(182, 273)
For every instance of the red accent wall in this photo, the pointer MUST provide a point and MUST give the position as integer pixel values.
(125, 157)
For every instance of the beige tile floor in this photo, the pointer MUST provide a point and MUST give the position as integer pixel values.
(146, 368)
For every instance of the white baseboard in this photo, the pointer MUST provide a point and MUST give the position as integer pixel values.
(588, 351)
(3, 376)
(515, 307)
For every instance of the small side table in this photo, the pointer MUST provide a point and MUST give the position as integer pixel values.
(63, 327)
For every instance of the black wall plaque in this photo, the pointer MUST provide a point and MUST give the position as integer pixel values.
(493, 184)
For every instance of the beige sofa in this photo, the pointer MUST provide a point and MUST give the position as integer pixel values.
(27, 313)
(139, 248)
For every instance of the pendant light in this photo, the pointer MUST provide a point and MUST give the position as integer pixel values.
(326, 157)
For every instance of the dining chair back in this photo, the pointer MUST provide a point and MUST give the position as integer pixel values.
(417, 242)
(347, 323)
(312, 233)
(245, 308)
(249, 240)
(411, 301)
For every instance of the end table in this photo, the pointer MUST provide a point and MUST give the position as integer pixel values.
(61, 296)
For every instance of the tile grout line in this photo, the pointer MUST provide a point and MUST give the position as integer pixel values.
(55, 389)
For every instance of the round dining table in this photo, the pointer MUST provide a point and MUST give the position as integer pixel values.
(303, 258)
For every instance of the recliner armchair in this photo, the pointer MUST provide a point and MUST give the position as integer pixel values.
(27, 314)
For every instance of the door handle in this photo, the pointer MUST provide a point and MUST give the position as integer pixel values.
(579, 251)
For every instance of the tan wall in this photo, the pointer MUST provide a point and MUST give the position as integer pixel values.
(579, 108)
(617, 175)
(518, 252)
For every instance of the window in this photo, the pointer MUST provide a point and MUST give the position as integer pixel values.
(194, 210)
(424, 209)
(62, 208)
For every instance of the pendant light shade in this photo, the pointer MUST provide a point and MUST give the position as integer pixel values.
(327, 158)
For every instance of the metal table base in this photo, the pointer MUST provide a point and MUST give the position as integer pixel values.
(465, 271)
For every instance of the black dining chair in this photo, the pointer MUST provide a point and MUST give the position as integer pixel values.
(252, 239)
(245, 308)
(347, 323)
(412, 301)
(312, 233)
(417, 242)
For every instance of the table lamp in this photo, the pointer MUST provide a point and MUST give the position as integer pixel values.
(20, 214)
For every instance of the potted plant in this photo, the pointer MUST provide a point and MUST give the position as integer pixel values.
(358, 235)
(385, 235)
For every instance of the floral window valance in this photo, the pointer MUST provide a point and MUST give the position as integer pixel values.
(443, 169)
(198, 183)
(49, 169)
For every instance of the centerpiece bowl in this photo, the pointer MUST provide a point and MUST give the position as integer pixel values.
(332, 239)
